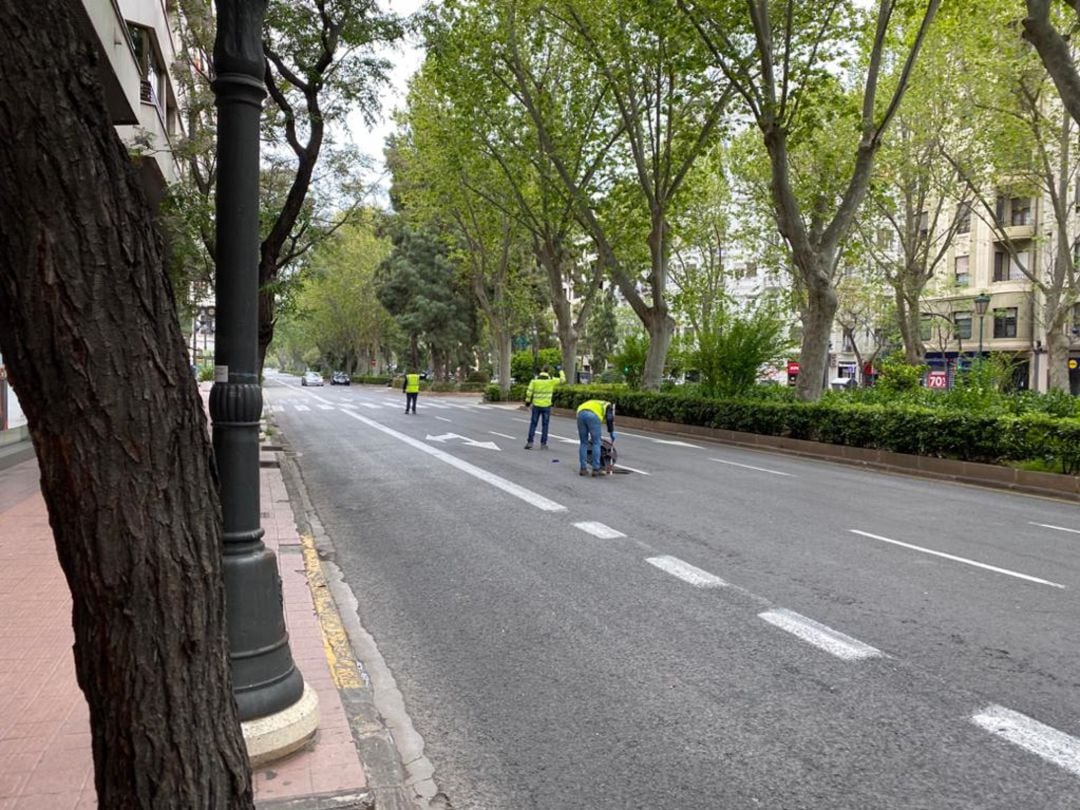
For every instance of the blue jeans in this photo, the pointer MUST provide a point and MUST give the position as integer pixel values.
(588, 431)
(537, 414)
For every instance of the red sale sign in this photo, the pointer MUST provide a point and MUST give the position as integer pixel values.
(937, 379)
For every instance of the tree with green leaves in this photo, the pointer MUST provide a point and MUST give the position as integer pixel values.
(419, 286)
(321, 65)
(339, 309)
(732, 346)
(442, 178)
(917, 202)
(1042, 28)
(778, 57)
(473, 69)
(664, 109)
(1023, 145)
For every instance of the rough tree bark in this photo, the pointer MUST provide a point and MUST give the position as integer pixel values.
(89, 333)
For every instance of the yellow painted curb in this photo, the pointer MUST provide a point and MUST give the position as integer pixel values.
(343, 668)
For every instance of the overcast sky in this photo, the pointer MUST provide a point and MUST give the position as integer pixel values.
(406, 59)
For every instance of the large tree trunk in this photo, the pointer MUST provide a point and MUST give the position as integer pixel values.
(821, 307)
(89, 333)
(503, 351)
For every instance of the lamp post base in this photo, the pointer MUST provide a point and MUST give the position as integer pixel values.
(277, 735)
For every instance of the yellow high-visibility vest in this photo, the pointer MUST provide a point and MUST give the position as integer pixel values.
(412, 383)
(540, 391)
(597, 406)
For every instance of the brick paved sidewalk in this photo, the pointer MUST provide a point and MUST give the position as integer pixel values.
(45, 761)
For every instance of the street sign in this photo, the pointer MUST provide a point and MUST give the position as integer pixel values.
(792, 367)
(937, 380)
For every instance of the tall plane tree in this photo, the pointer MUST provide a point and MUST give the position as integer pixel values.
(90, 338)
(665, 107)
(467, 64)
(775, 55)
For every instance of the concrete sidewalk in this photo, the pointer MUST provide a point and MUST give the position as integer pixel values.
(45, 759)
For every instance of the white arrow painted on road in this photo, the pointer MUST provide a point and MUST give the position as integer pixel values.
(469, 442)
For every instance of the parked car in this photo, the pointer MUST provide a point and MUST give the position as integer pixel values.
(340, 378)
(311, 378)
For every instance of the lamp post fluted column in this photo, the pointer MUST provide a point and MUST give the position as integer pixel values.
(265, 679)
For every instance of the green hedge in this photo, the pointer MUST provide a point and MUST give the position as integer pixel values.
(492, 393)
(901, 428)
(372, 379)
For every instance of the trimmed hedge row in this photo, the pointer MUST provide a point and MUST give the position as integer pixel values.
(372, 379)
(492, 393)
(900, 428)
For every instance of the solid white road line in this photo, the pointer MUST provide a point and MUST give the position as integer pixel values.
(600, 530)
(822, 637)
(749, 467)
(964, 560)
(326, 408)
(443, 419)
(1031, 735)
(302, 408)
(563, 439)
(675, 443)
(1059, 528)
(686, 572)
(371, 405)
(503, 435)
(527, 495)
(621, 466)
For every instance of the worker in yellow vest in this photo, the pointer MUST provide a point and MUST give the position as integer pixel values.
(539, 394)
(411, 389)
(590, 415)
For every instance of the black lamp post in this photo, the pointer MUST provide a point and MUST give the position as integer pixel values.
(981, 302)
(265, 680)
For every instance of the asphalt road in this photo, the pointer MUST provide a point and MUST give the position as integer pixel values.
(720, 628)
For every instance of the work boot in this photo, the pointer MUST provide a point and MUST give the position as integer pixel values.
(543, 447)
(597, 473)
(583, 471)
(528, 446)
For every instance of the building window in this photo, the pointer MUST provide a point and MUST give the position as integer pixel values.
(924, 224)
(1005, 322)
(1019, 264)
(151, 68)
(999, 211)
(924, 326)
(962, 278)
(1006, 268)
(963, 324)
(963, 218)
(1020, 210)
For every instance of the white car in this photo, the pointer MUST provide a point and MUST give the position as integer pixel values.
(311, 378)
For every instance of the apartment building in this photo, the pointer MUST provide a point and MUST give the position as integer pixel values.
(985, 302)
(137, 44)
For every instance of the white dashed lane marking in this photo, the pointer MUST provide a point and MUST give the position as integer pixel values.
(749, 467)
(686, 572)
(822, 637)
(1031, 735)
(1057, 528)
(600, 530)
